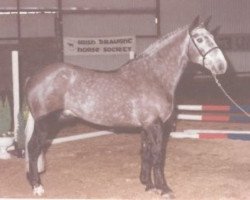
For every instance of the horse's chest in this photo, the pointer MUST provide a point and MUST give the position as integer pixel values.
(152, 107)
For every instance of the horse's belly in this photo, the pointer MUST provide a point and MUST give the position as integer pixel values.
(112, 102)
(129, 113)
(112, 115)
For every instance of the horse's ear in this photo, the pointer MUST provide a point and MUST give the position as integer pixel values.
(215, 31)
(195, 23)
(206, 22)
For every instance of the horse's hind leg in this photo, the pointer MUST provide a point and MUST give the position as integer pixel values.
(35, 149)
(146, 161)
(159, 141)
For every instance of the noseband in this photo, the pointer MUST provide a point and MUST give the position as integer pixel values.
(200, 52)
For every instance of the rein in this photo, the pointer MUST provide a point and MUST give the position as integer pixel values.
(229, 97)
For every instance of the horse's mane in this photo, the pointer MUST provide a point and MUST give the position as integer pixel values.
(160, 43)
(156, 46)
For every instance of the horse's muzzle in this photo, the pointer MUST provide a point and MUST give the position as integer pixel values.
(221, 68)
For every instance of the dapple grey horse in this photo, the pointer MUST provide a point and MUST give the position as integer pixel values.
(139, 94)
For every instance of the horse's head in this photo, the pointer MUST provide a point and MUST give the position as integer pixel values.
(203, 49)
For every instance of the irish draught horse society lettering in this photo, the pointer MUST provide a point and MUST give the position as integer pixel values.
(99, 46)
(140, 94)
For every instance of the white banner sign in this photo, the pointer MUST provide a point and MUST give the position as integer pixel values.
(99, 46)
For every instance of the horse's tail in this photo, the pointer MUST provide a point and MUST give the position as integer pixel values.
(29, 130)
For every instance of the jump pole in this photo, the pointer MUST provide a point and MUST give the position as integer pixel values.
(213, 134)
(80, 137)
(215, 108)
(16, 93)
(212, 131)
(215, 118)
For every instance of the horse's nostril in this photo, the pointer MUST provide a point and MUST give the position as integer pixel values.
(221, 67)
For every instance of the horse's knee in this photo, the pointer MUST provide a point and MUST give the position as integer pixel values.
(146, 151)
(157, 149)
(157, 156)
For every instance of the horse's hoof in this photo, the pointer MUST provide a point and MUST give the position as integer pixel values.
(38, 190)
(168, 196)
(153, 190)
(149, 188)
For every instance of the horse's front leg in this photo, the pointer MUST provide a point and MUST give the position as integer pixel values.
(146, 161)
(159, 140)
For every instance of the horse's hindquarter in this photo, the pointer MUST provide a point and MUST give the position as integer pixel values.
(113, 99)
(45, 91)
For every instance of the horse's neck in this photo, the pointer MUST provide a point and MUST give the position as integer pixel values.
(165, 60)
(169, 61)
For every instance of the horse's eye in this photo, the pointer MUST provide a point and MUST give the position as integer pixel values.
(200, 40)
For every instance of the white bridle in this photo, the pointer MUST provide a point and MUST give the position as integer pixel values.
(203, 55)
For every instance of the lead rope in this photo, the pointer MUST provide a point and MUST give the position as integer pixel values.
(229, 97)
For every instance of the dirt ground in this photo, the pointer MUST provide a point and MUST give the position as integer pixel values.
(107, 167)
